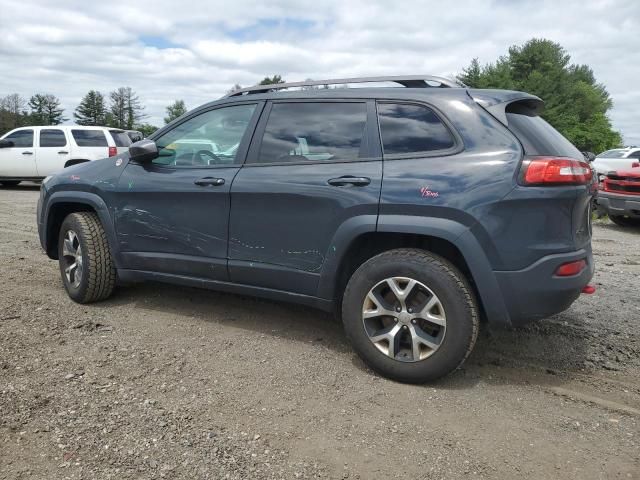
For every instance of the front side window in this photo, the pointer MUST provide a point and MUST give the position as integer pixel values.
(316, 132)
(52, 138)
(408, 129)
(89, 138)
(209, 139)
(21, 138)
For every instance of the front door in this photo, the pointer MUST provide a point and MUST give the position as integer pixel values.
(172, 215)
(19, 161)
(311, 168)
(53, 151)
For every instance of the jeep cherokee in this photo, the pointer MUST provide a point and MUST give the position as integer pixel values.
(413, 212)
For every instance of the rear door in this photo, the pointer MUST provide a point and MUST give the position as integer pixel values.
(312, 167)
(53, 151)
(172, 214)
(19, 160)
(91, 144)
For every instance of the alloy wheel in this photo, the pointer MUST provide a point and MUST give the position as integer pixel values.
(404, 319)
(72, 258)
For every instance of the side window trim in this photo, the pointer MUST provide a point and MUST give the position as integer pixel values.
(458, 145)
(374, 147)
(243, 148)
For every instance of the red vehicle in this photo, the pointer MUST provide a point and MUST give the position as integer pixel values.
(619, 196)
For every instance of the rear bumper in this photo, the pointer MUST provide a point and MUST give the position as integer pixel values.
(536, 292)
(616, 204)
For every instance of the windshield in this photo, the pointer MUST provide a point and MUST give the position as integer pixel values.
(612, 154)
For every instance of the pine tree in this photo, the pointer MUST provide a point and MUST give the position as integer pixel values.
(46, 110)
(125, 108)
(175, 110)
(92, 109)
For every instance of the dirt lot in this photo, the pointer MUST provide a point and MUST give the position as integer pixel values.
(162, 381)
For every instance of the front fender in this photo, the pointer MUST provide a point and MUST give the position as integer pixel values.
(83, 198)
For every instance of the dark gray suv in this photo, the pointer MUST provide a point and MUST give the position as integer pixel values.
(413, 212)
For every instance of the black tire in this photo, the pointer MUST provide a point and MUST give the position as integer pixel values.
(98, 278)
(445, 281)
(10, 183)
(623, 221)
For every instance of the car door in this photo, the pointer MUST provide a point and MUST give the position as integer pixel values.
(313, 165)
(19, 161)
(172, 214)
(53, 151)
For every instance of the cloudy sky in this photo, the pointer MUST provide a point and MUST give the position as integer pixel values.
(196, 50)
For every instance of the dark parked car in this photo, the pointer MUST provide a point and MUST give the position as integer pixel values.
(413, 212)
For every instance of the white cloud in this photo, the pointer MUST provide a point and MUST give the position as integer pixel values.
(68, 47)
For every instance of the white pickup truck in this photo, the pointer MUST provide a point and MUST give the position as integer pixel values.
(32, 153)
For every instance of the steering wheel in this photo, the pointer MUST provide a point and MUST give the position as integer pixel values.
(216, 159)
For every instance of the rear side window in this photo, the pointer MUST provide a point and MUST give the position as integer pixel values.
(120, 138)
(89, 138)
(538, 137)
(411, 129)
(21, 138)
(52, 138)
(314, 132)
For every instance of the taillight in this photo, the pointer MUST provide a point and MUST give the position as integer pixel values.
(571, 268)
(113, 151)
(554, 171)
(635, 164)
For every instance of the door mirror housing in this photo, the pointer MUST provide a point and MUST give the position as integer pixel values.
(143, 151)
(6, 144)
(589, 156)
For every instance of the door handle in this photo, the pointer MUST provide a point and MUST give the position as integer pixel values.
(27, 153)
(349, 180)
(62, 152)
(209, 181)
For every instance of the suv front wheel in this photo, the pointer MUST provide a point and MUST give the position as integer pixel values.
(85, 260)
(410, 315)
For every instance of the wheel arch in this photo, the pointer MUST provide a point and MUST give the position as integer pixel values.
(61, 204)
(444, 237)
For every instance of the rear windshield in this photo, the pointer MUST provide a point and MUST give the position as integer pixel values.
(612, 154)
(89, 138)
(120, 138)
(540, 138)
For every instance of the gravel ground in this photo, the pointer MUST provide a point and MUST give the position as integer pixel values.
(170, 382)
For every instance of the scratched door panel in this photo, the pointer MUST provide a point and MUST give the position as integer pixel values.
(167, 223)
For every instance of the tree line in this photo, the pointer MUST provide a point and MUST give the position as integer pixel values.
(122, 109)
(575, 103)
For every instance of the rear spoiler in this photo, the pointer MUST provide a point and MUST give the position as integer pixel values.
(496, 102)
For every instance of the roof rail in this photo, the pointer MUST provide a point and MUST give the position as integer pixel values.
(410, 81)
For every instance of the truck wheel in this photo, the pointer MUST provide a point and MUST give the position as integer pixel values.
(85, 261)
(623, 221)
(9, 183)
(410, 315)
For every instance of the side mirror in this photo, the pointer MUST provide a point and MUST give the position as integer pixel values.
(589, 156)
(143, 151)
(6, 144)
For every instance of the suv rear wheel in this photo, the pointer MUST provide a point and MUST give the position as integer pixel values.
(410, 315)
(85, 261)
